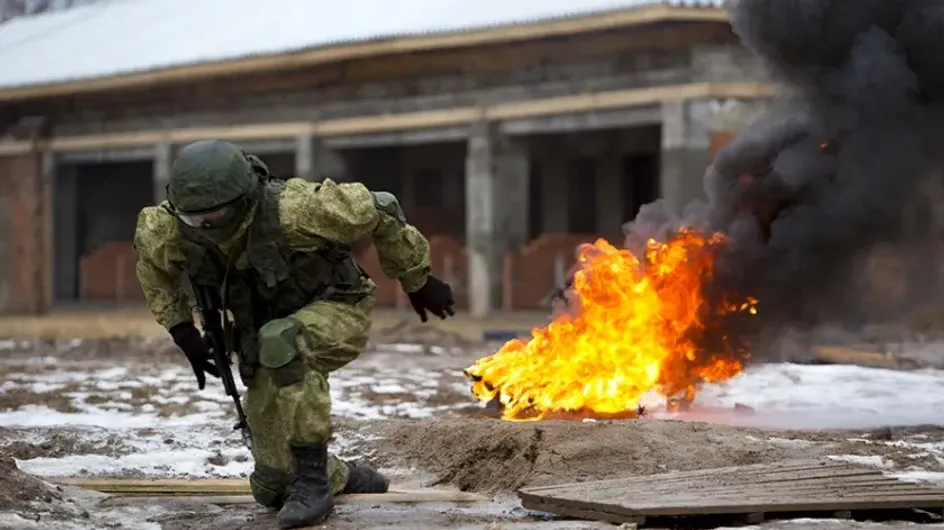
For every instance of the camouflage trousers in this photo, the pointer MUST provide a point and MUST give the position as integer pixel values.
(288, 401)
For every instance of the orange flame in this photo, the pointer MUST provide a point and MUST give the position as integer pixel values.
(636, 331)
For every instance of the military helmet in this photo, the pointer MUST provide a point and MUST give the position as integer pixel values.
(209, 174)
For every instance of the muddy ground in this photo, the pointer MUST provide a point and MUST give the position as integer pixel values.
(129, 407)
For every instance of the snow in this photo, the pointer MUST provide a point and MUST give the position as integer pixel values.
(189, 462)
(112, 37)
(166, 427)
(14, 521)
(862, 460)
(97, 519)
(929, 477)
(830, 396)
(169, 428)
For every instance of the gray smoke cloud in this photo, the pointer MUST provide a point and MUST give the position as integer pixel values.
(833, 172)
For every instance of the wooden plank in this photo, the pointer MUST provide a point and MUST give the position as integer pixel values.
(642, 498)
(783, 480)
(159, 486)
(580, 512)
(784, 488)
(635, 16)
(798, 486)
(846, 482)
(391, 497)
(694, 506)
(805, 466)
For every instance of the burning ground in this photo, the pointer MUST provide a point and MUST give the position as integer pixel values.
(129, 408)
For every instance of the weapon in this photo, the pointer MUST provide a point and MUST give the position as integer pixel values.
(211, 317)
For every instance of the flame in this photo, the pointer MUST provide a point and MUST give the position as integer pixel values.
(640, 327)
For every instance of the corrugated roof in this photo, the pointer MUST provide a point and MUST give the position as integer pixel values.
(113, 37)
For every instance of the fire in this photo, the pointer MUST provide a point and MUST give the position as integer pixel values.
(641, 327)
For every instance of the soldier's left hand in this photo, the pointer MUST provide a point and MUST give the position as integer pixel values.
(434, 296)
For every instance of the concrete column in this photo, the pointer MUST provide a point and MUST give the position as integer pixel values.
(685, 152)
(315, 161)
(49, 165)
(496, 212)
(609, 193)
(555, 212)
(163, 162)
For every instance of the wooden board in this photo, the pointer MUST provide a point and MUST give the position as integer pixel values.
(391, 497)
(145, 487)
(795, 486)
(236, 491)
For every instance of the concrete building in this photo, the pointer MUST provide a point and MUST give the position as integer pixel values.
(508, 138)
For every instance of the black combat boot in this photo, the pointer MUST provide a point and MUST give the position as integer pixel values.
(310, 502)
(362, 478)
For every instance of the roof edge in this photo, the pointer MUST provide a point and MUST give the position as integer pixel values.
(634, 16)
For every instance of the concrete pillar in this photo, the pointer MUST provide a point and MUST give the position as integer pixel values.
(555, 211)
(163, 162)
(315, 161)
(496, 212)
(685, 152)
(609, 193)
(49, 165)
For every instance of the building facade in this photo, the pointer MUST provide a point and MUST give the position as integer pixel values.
(506, 145)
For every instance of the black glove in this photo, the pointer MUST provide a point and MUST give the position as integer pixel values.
(434, 296)
(188, 338)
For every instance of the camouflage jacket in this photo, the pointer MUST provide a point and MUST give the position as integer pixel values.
(297, 251)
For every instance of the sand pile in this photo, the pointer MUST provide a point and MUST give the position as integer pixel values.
(23, 493)
(493, 455)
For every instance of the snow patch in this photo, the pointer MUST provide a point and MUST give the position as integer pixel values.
(919, 476)
(860, 460)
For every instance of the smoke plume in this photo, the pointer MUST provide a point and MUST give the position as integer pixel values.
(837, 170)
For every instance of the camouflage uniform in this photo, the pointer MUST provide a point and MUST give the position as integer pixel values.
(278, 255)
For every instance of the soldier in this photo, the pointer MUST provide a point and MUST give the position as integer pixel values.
(277, 254)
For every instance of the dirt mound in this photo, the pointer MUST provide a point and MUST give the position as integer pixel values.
(19, 490)
(56, 443)
(493, 455)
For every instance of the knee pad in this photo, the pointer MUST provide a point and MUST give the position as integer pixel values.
(269, 486)
(278, 351)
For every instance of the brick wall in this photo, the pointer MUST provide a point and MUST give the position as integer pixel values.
(532, 272)
(25, 236)
(108, 274)
(449, 263)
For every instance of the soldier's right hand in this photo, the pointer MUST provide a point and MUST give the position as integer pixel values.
(188, 338)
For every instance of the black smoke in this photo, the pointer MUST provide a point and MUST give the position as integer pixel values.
(833, 171)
